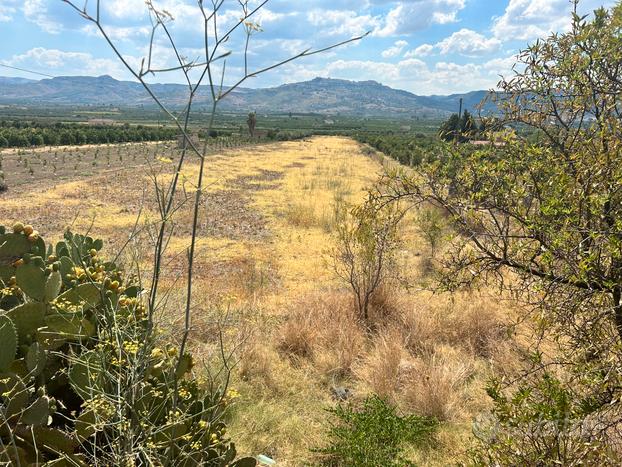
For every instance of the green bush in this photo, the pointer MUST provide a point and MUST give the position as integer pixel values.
(83, 378)
(375, 435)
(544, 422)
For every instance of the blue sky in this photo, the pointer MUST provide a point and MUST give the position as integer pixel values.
(423, 46)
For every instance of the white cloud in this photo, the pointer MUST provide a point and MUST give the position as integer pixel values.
(395, 50)
(464, 42)
(468, 42)
(422, 51)
(266, 16)
(119, 33)
(530, 19)
(415, 15)
(36, 12)
(126, 9)
(7, 9)
(342, 22)
(59, 62)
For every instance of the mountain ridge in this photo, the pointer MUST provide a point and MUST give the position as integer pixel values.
(319, 95)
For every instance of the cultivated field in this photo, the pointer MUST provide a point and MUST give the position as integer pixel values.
(265, 278)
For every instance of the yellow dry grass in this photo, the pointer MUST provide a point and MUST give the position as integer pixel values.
(263, 270)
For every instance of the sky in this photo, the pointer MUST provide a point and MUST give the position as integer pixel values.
(423, 46)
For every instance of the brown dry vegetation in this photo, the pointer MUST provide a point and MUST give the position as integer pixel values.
(264, 278)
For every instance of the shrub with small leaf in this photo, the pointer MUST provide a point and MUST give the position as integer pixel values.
(84, 379)
(374, 435)
(544, 422)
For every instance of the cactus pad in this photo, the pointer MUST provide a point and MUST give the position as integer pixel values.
(27, 319)
(87, 295)
(36, 359)
(38, 412)
(8, 343)
(53, 286)
(31, 279)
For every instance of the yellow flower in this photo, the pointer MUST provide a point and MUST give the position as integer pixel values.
(131, 347)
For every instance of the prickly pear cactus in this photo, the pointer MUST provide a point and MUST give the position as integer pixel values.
(44, 318)
(81, 371)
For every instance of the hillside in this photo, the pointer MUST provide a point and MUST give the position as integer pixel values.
(320, 95)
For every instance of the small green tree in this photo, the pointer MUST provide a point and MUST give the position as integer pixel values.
(251, 121)
(367, 240)
(431, 226)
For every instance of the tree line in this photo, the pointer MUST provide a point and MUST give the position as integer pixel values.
(406, 148)
(25, 134)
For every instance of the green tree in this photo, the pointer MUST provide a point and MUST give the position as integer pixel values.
(450, 128)
(467, 124)
(550, 213)
(251, 121)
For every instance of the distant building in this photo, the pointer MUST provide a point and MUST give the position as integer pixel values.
(487, 143)
(101, 121)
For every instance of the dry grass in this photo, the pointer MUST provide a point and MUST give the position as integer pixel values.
(262, 258)
(381, 369)
(469, 322)
(300, 214)
(437, 384)
(323, 329)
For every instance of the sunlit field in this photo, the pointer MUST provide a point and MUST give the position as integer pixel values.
(265, 281)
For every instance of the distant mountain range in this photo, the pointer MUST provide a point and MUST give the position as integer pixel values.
(319, 96)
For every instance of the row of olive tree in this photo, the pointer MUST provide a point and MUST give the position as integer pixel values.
(13, 137)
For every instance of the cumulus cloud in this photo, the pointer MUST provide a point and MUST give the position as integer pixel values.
(119, 33)
(468, 42)
(423, 50)
(125, 9)
(409, 17)
(395, 50)
(464, 42)
(530, 19)
(342, 22)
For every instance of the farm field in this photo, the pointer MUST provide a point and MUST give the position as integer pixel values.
(264, 277)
